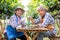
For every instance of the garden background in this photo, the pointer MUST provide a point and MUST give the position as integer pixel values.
(7, 9)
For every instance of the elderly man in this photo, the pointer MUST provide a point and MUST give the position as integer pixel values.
(15, 20)
(44, 20)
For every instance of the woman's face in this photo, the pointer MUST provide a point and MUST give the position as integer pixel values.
(42, 12)
(18, 12)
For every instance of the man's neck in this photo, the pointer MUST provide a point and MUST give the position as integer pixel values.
(43, 16)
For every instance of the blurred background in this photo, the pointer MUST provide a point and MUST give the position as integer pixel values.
(7, 9)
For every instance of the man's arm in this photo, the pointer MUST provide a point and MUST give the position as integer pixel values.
(35, 21)
(46, 21)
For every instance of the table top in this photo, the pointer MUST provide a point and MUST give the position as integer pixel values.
(31, 29)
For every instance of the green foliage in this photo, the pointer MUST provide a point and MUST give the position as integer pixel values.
(53, 6)
(32, 8)
(7, 7)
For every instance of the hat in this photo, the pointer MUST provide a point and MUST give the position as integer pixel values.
(19, 8)
(42, 7)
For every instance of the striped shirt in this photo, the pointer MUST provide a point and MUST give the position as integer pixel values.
(48, 19)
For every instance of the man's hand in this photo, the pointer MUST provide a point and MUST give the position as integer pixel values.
(50, 27)
(31, 19)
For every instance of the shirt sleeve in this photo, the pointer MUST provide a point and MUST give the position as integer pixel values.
(13, 22)
(23, 21)
(37, 20)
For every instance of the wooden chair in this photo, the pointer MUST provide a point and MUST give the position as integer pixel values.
(55, 38)
(1, 32)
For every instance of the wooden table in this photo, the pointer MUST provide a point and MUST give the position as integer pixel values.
(36, 30)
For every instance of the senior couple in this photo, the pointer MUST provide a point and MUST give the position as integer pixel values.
(15, 20)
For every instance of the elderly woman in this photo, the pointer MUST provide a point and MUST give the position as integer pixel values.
(15, 20)
(44, 20)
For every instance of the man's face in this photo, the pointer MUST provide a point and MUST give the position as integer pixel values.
(18, 12)
(42, 12)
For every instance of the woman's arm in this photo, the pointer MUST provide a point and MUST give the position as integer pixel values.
(13, 22)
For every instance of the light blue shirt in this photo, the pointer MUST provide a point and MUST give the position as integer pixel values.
(14, 21)
(11, 28)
